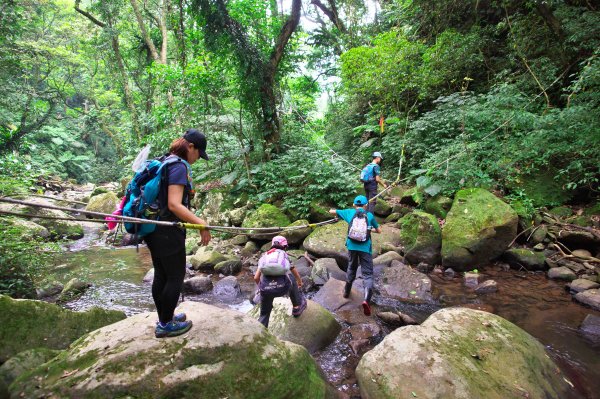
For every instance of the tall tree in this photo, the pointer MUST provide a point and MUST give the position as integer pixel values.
(259, 70)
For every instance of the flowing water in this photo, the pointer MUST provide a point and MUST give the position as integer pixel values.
(540, 306)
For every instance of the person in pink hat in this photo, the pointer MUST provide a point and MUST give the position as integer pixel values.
(273, 277)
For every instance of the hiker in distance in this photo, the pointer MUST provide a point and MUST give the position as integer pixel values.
(360, 225)
(370, 176)
(273, 277)
(167, 243)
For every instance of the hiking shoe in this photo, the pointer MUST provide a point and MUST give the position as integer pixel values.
(172, 329)
(366, 308)
(177, 317)
(297, 311)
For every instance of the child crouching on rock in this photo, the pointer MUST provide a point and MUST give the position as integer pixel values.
(274, 280)
(360, 225)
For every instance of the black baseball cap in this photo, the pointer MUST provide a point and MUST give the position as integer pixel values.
(198, 140)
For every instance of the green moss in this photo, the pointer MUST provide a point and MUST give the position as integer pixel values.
(420, 233)
(438, 206)
(266, 215)
(543, 189)
(27, 323)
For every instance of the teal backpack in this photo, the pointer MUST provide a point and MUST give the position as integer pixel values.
(142, 197)
(367, 174)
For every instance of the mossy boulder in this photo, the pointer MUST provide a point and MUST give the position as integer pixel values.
(561, 211)
(478, 228)
(105, 203)
(319, 213)
(265, 215)
(421, 236)
(68, 228)
(73, 289)
(460, 353)
(206, 259)
(98, 191)
(29, 230)
(296, 236)
(438, 206)
(314, 329)
(329, 241)
(382, 208)
(413, 196)
(30, 324)
(519, 258)
(21, 363)
(225, 354)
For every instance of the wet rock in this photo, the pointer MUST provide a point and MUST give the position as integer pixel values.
(577, 238)
(302, 266)
(324, 269)
(424, 267)
(49, 290)
(539, 235)
(205, 260)
(30, 324)
(590, 298)
(539, 247)
(581, 284)
(221, 344)
(471, 279)
(519, 258)
(103, 203)
(396, 319)
(314, 329)
(446, 356)
(265, 215)
(249, 249)
(449, 272)
(227, 289)
(229, 267)
(387, 258)
(358, 346)
(239, 240)
(404, 283)
(297, 236)
(330, 296)
(561, 273)
(590, 327)
(73, 289)
(197, 285)
(487, 287)
(364, 331)
(421, 236)
(581, 253)
(478, 228)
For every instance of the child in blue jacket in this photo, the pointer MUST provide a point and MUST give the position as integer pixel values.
(360, 225)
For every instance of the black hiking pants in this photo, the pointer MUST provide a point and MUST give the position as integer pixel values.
(266, 302)
(167, 247)
(370, 192)
(365, 261)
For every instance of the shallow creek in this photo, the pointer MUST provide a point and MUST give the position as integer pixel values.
(540, 306)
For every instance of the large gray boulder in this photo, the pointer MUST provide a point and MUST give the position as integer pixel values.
(404, 283)
(421, 236)
(297, 235)
(225, 354)
(27, 324)
(460, 353)
(330, 296)
(478, 228)
(314, 329)
(206, 259)
(329, 241)
(66, 227)
(590, 298)
(326, 268)
(265, 215)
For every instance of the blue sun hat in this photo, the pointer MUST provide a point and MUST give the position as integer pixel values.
(361, 200)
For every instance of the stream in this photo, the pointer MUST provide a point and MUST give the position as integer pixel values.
(540, 306)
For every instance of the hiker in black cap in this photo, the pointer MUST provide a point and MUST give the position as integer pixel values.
(167, 243)
(370, 177)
